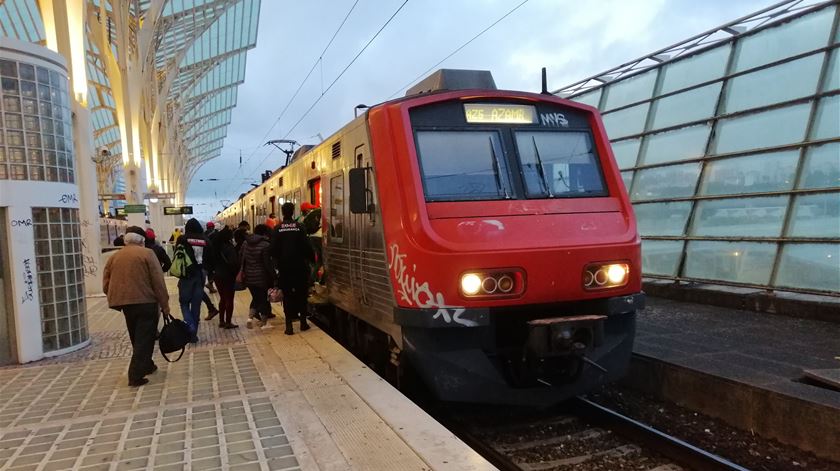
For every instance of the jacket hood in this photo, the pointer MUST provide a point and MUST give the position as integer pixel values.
(255, 239)
(193, 226)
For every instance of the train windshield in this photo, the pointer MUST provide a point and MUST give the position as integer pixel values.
(463, 165)
(559, 164)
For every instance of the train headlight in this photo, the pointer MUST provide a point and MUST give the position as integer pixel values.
(495, 282)
(470, 284)
(606, 275)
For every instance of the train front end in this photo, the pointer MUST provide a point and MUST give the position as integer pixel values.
(512, 246)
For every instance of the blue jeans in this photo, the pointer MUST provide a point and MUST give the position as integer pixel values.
(190, 292)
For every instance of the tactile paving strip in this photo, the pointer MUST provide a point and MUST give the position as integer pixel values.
(58, 392)
(243, 434)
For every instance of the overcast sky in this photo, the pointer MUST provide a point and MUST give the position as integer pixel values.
(572, 41)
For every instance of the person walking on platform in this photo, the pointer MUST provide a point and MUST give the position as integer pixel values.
(160, 253)
(133, 282)
(191, 287)
(226, 267)
(292, 255)
(271, 221)
(240, 235)
(258, 270)
(209, 233)
(176, 234)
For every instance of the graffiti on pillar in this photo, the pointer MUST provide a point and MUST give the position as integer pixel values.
(28, 282)
(21, 222)
(68, 198)
(90, 265)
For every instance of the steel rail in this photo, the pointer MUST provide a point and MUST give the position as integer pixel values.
(678, 450)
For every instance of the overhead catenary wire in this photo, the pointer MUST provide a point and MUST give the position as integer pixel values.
(458, 49)
(300, 86)
(317, 100)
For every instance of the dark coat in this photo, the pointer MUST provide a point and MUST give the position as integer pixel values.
(239, 237)
(226, 260)
(292, 253)
(160, 253)
(256, 262)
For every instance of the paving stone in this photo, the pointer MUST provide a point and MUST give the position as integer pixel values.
(175, 419)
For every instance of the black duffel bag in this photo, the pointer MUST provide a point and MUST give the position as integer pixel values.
(174, 336)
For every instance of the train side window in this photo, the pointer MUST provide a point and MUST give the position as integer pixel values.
(337, 208)
(296, 200)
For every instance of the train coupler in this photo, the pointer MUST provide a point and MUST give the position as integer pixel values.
(557, 347)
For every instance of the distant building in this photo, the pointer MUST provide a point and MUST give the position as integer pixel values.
(729, 145)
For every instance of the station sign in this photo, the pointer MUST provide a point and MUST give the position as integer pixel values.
(119, 211)
(175, 210)
(135, 208)
(112, 196)
(160, 196)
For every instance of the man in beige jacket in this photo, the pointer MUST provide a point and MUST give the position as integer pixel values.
(133, 282)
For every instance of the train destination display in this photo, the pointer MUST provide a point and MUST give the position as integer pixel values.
(500, 113)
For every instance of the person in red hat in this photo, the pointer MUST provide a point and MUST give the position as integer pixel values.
(160, 253)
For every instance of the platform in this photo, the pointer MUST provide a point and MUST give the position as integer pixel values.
(747, 368)
(241, 400)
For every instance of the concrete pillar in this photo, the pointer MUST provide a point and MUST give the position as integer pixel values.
(88, 199)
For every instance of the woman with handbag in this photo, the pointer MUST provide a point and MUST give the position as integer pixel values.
(257, 274)
(226, 268)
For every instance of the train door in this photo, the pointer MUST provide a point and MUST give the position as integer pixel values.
(359, 228)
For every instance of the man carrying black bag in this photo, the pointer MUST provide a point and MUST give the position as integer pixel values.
(133, 282)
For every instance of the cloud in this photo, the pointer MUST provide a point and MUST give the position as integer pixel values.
(572, 40)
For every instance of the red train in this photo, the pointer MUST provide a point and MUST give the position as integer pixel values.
(483, 235)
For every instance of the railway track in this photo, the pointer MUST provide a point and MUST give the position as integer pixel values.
(583, 436)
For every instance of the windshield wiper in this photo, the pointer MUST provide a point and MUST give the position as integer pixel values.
(499, 186)
(540, 168)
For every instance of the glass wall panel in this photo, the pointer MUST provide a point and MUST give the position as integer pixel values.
(630, 90)
(627, 178)
(666, 182)
(783, 82)
(626, 152)
(795, 37)
(773, 171)
(816, 215)
(696, 69)
(822, 167)
(832, 80)
(810, 266)
(767, 129)
(589, 98)
(744, 262)
(664, 219)
(747, 217)
(626, 122)
(661, 257)
(686, 107)
(827, 120)
(682, 144)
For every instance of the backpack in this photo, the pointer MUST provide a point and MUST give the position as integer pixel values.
(181, 262)
(174, 336)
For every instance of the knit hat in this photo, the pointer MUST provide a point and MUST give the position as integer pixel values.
(136, 230)
(150, 234)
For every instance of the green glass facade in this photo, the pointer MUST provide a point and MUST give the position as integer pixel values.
(730, 151)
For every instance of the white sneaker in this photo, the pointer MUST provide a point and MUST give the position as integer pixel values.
(266, 326)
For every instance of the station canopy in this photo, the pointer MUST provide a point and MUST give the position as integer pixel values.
(198, 51)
